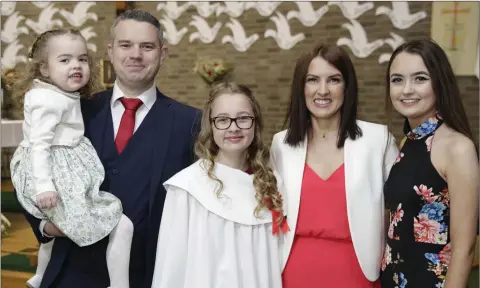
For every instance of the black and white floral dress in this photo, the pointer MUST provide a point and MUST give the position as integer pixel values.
(83, 212)
(418, 237)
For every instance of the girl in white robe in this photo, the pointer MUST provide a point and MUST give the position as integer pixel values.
(222, 225)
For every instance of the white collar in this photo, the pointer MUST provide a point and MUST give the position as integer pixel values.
(148, 97)
(37, 83)
(236, 201)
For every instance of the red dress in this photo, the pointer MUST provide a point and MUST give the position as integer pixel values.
(322, 253)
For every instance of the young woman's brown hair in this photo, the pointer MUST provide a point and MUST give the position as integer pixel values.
(444, 83)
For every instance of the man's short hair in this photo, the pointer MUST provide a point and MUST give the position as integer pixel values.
(140, 16)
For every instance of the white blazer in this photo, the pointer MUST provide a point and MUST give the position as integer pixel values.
(367, 163)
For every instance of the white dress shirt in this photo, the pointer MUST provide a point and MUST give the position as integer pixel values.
(148, 98)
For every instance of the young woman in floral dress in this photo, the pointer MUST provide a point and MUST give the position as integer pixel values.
(432, 189)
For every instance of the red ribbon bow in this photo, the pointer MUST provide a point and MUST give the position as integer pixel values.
(275, 226)
(283, 225)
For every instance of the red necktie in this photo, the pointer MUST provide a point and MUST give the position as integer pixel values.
(127, 124)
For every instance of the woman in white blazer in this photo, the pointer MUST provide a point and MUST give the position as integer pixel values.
(333, 167)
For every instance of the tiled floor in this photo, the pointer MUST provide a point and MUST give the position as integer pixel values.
(20, 237)
(7, 185)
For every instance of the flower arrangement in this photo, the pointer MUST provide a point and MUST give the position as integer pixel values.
(211, 70)
(11, 108)
(7, 79)
(5, 224)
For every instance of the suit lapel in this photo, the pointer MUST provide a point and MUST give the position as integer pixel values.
(353, 185)
(164, 119)
(353, 174)
(349, 165)
(362, 209)
(296, 164)
(96, 115)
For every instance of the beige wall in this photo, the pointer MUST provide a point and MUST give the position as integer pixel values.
(268, 69)
(264, 66)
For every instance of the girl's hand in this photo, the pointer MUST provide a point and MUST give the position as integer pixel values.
(47, 199)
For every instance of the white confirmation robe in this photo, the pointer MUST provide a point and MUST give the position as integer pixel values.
(207, 241)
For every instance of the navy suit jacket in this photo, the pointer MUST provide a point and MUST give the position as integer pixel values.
(176, 127)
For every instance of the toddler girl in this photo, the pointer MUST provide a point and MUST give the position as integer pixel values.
(55, 170)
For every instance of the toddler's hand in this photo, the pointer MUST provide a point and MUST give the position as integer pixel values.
(47, 199)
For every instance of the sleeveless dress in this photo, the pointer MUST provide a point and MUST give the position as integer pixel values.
(418, 237)
(322, 252)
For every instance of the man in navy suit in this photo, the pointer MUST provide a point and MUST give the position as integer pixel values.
(142, 138)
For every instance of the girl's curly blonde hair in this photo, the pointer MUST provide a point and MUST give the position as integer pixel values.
(264, 180)
(38, 56)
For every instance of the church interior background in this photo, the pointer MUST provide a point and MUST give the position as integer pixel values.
(258, 41)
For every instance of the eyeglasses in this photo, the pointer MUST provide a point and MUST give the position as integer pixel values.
(242, 122)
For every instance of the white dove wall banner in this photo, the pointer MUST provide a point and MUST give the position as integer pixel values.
(23, 21)
(172, 9)
(400, 16)
(170, 31)
(352, 10)
(88, 33)
(45, 20)
(11, 57)
(12, 28)
(233, 9)
(205, 9)
(204, 33)
(264, 8)
(306, 14)
(238, 39)
(282, 35)
(79, 14)
(358, 43)
(41, 4)
(7, 8)
(393, 42)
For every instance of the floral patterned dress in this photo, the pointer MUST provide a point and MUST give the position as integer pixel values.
(418, 237)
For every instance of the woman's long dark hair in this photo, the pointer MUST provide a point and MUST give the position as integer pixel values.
(298, 115)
